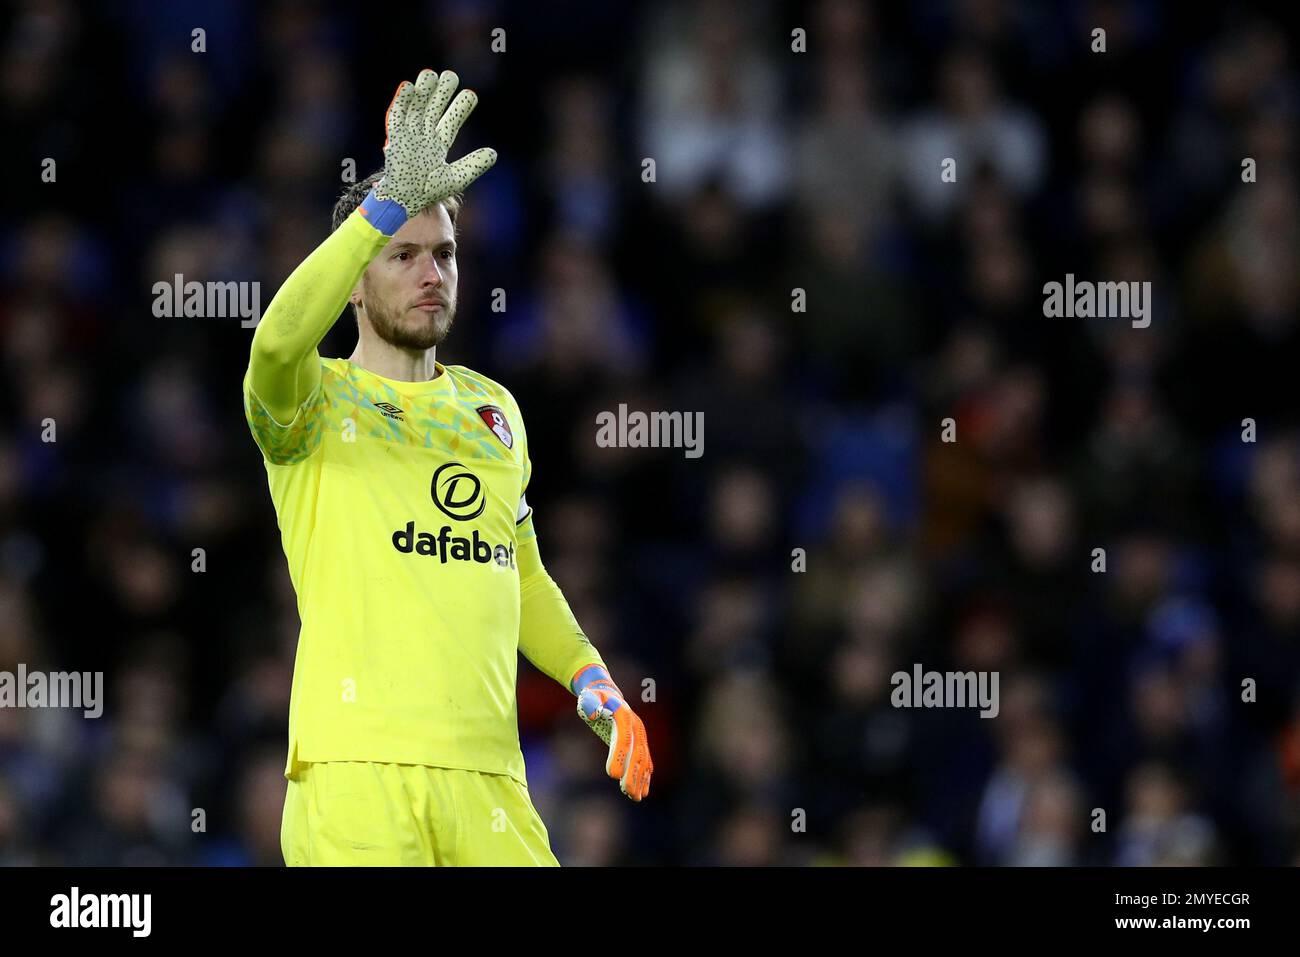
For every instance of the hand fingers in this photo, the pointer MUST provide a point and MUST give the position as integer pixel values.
(425, 85)
(637, 778)
(446, 86)
(641, 764)
(451, 121)
(397, 109)
(426, 82)
(636, 765)
(414, 112)
(470, 167)
(631, 782)
(647, 763)
(632, 786)
(643, 785)
(629, 761)
(620, 745)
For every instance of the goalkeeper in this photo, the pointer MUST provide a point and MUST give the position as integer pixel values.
(399, 484)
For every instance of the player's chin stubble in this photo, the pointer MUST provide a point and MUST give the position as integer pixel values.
(407, 335)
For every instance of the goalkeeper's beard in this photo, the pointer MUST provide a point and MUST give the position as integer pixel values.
(401, 333)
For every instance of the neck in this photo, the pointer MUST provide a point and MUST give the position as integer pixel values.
(393, 362)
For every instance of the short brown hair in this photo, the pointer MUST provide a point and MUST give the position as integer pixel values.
(354, 195)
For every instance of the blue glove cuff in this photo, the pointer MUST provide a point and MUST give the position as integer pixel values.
(587, 676)
(386, 215)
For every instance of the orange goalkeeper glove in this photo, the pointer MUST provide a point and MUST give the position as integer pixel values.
(607, 713)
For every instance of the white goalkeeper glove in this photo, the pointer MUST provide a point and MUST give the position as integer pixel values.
(420, 127)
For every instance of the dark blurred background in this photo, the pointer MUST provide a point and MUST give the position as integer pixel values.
(775, 170)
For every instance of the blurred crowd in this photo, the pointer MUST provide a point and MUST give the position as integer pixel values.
(764, 593)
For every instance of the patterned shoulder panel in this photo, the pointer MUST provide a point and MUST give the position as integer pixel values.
(478, 385)
(512, 431)
(285, 444)
(472, 415)
(493, 408)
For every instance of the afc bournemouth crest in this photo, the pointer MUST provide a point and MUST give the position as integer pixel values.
(496, 421)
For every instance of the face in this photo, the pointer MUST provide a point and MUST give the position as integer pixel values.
(409, 292)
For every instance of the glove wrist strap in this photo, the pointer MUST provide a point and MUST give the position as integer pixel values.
(386, 215)
(590, 675)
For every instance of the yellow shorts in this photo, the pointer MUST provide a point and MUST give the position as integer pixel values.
(352, 813)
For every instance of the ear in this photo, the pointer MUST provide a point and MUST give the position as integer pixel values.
(355, 296)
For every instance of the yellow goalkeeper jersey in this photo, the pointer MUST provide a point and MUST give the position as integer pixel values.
(410, 545)
(401, 511)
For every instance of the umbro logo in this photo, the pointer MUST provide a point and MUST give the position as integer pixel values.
(390, 410)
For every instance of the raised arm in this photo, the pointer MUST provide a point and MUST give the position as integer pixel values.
(284, 367)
